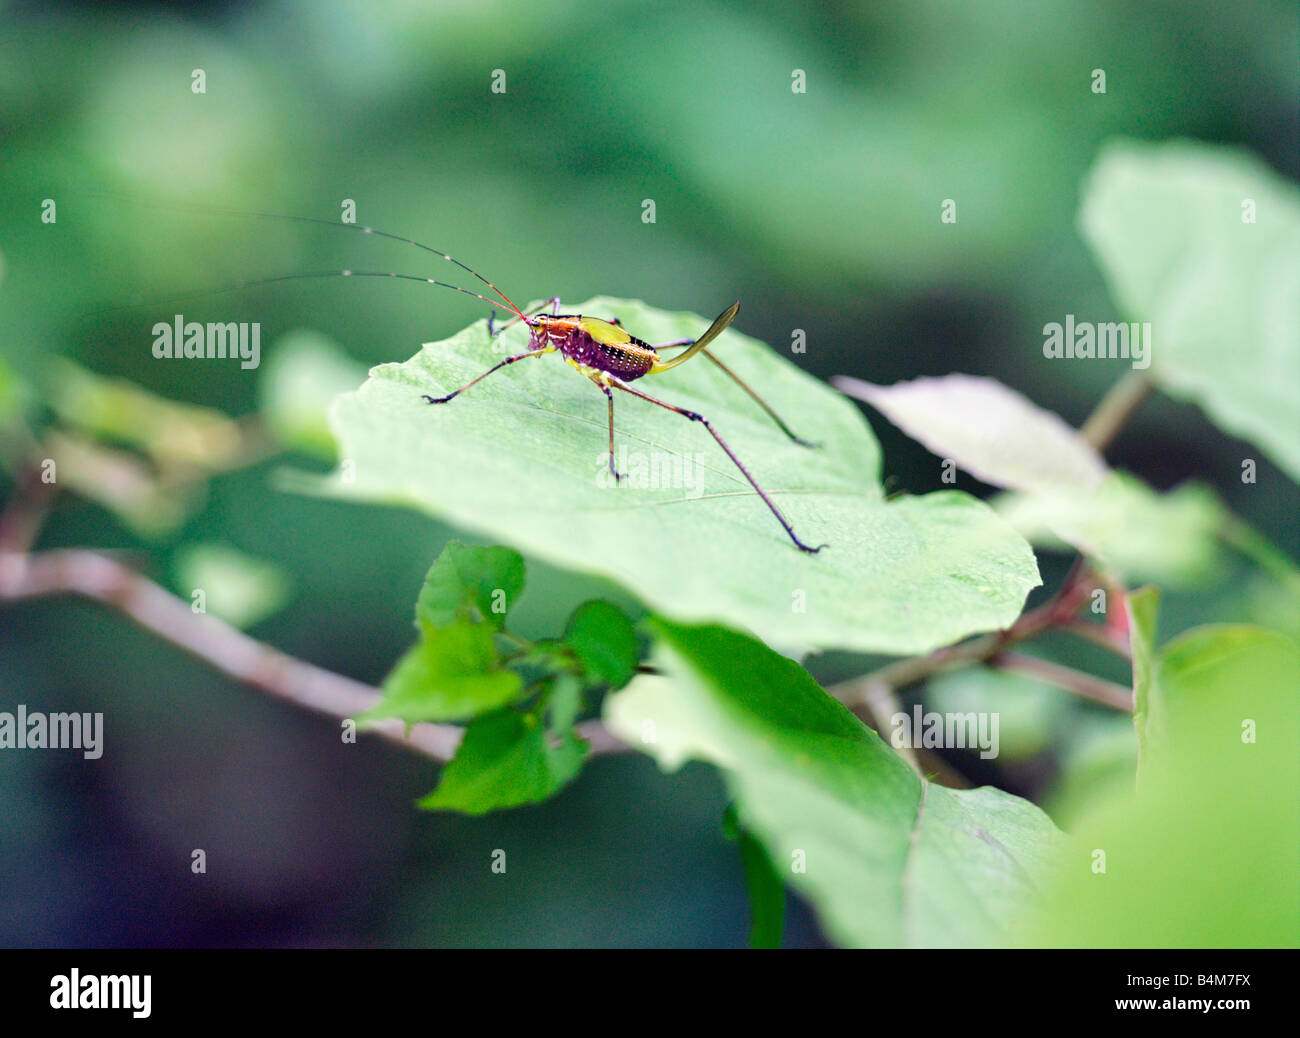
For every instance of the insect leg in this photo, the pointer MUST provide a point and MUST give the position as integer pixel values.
(743, 385)
(613, 471)
(553, 303)
(695, 417)
(509, 360)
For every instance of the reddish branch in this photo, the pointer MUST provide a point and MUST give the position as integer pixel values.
(230, 651)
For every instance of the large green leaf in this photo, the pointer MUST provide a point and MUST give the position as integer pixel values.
(1222, 294)
(521, 459)
(1204, 853)
(887, 858)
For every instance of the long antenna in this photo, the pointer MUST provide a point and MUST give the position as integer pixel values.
(362, 228)
(235, 286)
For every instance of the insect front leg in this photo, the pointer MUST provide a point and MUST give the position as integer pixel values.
(495, 367)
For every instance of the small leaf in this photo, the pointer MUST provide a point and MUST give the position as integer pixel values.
(452, 674)
(563, 703)
(124, 483)
(117, 410)
(886, 858)
(604, 641)
(303, 374)
(988, 429)
(466, 580)
(238, 588)
(507, 758)
(1169, 226)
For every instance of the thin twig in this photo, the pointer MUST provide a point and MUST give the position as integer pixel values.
(1115, 409)
(1102, 426)
(230, 651)
(1096, 689)
(1074, 590)
(24, 515)
(1106, 637)
(882, 705)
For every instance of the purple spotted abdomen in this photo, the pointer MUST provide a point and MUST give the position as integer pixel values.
(626, 361)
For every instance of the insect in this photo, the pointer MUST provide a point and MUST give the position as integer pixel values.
(599, 349)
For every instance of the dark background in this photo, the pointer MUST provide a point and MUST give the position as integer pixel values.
(818, 210)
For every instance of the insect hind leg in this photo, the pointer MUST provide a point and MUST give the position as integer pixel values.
(695, 416)
(747, 388)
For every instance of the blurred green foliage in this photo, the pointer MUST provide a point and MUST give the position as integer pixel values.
(819, 210)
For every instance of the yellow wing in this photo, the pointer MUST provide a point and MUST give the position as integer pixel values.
(604, 332)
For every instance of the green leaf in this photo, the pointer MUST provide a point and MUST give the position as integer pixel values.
(1165, 222)
(455, 670)
(453, 673)
(303, 373)
(521, 459)
(1133, 531)
(1204, 854)
(762, 882)
(886, 858)
(507, 758)
(604, 641)
(236, 587)
(563, 702)
(471, 582)
(988, 429)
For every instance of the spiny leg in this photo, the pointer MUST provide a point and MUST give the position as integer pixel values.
(695, 417)
(743, 385)
(509, 360)
(553, 303)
